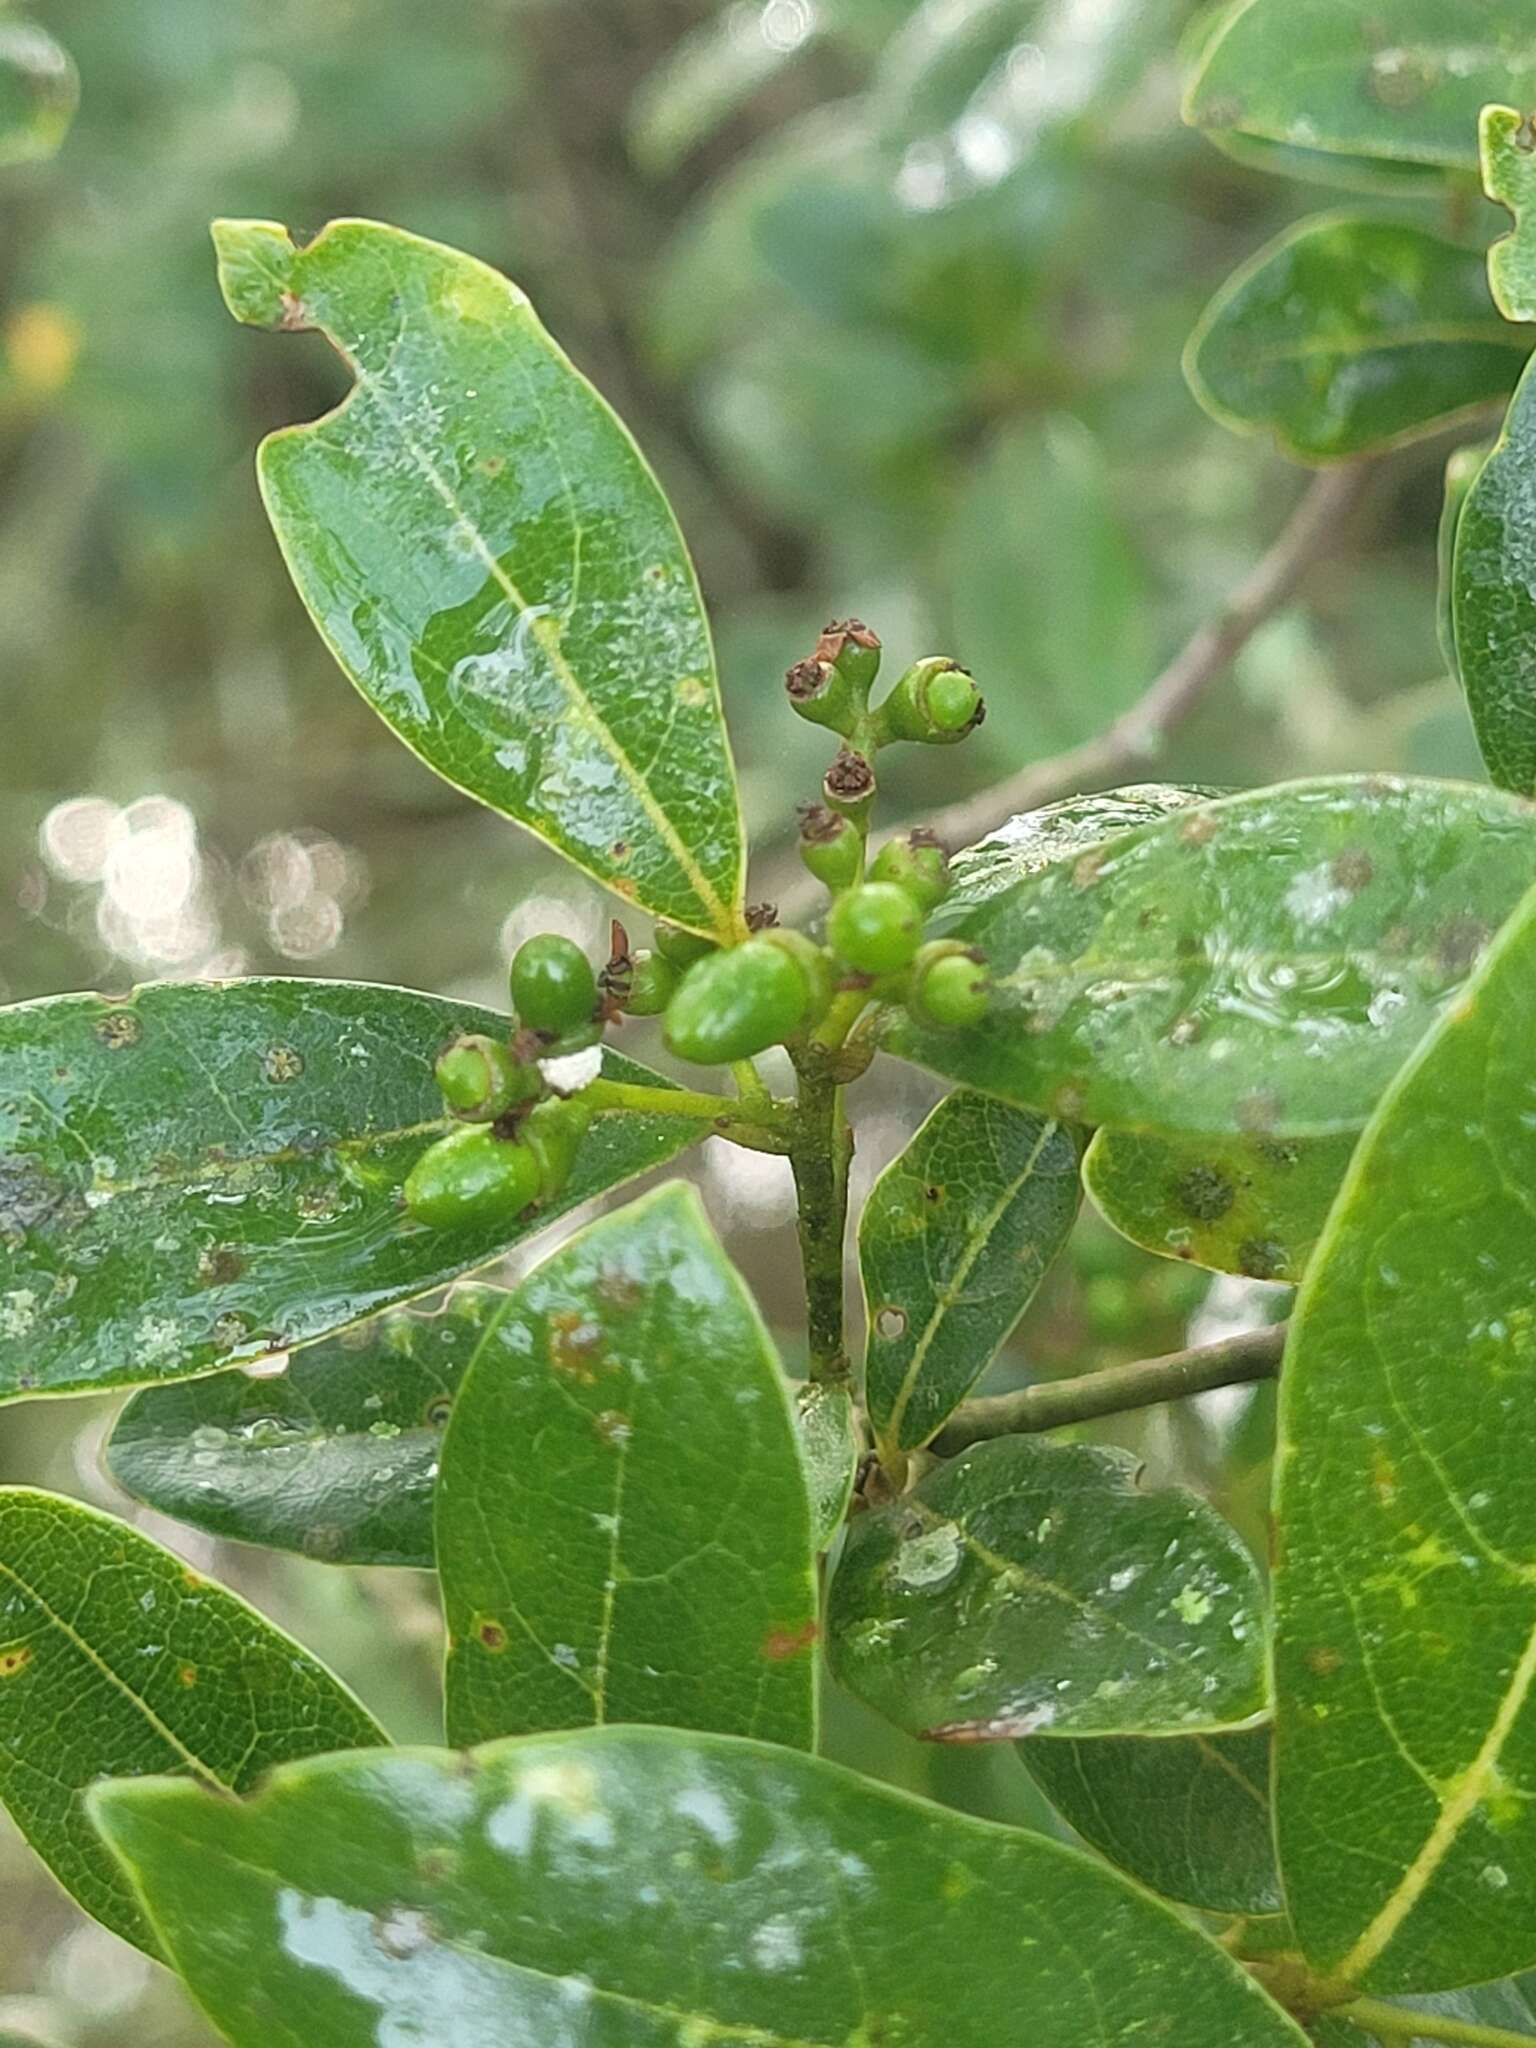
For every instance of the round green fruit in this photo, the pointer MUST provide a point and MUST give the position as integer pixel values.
(738, 1003)
(679, 947)
(553, 1133)
(917, 864)
(553, 986)
(481, 1080)
(951, 987)
(877, 928)
(472, 1176)
(652, 985)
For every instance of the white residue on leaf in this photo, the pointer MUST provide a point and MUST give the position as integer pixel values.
(700, 1803)
(776, 1945)
(18, 1312)
(929, 1559)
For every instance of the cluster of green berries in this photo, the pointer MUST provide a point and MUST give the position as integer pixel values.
(518, 1142)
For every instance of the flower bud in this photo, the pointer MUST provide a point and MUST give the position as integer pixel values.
(471, 1176)
(935, 703)
(832, 687)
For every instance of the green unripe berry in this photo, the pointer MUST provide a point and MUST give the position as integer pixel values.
(681, 948)
(934, 703)
(481, 1080)
(917, 864)
(832, 687)
(876, 928)
(738, 1003)
(553, 1133)
(815, 963)
(831, 848)
(652, 985)
(951, 986)
(553, 986)
(471, 1176)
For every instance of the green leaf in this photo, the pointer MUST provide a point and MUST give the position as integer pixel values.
(1377, 175)
(830, 1446)
(1262, 964)
(1494, 604)
(623, 1524)
(1031, 1588)
(1345, 336)
(1509, 177)
(1462, 470)
(1402, 79)
(116, 1659)
(336, 1458)
(957, 1235)
(486, 553)
(1047, 597)
(1505, 2006)
(1189, 1815)
(637, 1887)
(202, 1174)
(1035, 839)
(39, 92)
(1253, 1206)
(1406, 1582)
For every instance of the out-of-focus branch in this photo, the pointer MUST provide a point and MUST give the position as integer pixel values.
(1128, 748)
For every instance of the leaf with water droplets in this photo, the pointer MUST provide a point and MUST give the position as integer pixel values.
(335, 1458)
(830, 1446)
(1253, 1206)
(1262, 964)
(957, 1235)
(1347, 336)
(1509, 177)
(623, 1522)
(1401, 79)
(1494, 605)
(636, 1887)
(1405, 1584)
(1187, 1814)
(493, 564)
(118, 1660)
(204, 1174)
(1031, 1588)
(39, 92)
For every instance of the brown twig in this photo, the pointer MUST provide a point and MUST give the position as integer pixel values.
(1134, 741)
(1236, 1362)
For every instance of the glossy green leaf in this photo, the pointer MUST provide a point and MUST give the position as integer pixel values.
(1031, 1588)
(957, 1234)
(486, 553)
(336, 1458)
(1377, 175)
(1262, 964)
(1047, 600)
(638, 1888)
(1253, 1206)
(1406, 1579)
(1386, 78)
(1189, 1815)
(1509, 176)
(1034, 840)
(1346, 336)
(1494, 606)
(207, 1173)
(39, 92)
(1462, 470)
(831, 1447)
(623, 1522)
(116, 1659)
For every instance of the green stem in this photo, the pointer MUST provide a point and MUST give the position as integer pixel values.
(820, 1147)
(1055, 1403)
(759, 1126)
(1396, 2023)
(750, 1085)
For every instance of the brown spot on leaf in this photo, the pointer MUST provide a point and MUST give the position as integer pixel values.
(1353, 870)
(281, 1064)
(1259, 1111)
(1323, 1661)
(613, 1427)
(1262, 1258)
(187, 1676)
(575, 1345)
(218, 1264)
(490, 1635)
(118, 1030)
(1205, 1193)
(891, 1323)
(1458, 943)
(780, 1644)
(14, 1660)
(1199, 829)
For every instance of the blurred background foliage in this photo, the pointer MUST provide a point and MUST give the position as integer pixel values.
(893, 292)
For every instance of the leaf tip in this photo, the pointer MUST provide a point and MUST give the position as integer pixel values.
(256, 261)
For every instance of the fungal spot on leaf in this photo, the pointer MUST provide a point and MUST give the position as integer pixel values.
(617, 1289)
(1399, 78)
(613, 1427)
(282, 1063)
(119, 1029)
(14, 1660)
(1186, 1030)
(27, 1194)
(1087, 869)
(619, 850)
(217, 1265)
(324, 1541)
(490, 1635)
(402, 1932)
(933, 1193)
(1353, 870)
(1323, 1661)
(891, 1323)
(693, 692)
(187, 1676)
(1199, 829)
(1205, 1193)
(438, 1412)
(230, 1330)
(1277, 1153)
(575, 1345)
(1458, 943)
(1262, 1258)
(1259, 1111)
(780, 1644)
